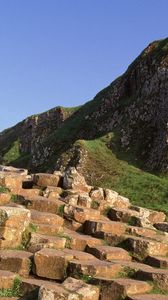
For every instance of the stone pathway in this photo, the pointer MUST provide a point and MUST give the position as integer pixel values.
(62, 239)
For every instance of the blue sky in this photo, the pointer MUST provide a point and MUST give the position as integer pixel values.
(62, 52)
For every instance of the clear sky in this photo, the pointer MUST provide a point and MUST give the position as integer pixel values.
(62, 52)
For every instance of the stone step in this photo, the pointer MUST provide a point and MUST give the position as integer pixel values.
(142, 247)
(148, 297)
(162, 226)
(109, 253)
(80, 255)
(30, 287)
(120, 288)
(122, 215)
(47, 229)
(93, 268)
(70, 289)
(80, 214)
(7, 279)
(77, 241)
(46, 218)
(5, 198)
(44, 180)
(84, 290)
(130, 268)
(157, 261)
(99, 227)
(158, 276)
(40, 241)
(141, 232)
(13, 222)
(55, 262)
(16, 261)
(43, 204)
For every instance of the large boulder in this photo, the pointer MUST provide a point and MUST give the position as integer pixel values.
(73, 180)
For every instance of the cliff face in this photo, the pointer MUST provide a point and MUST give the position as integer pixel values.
(30, 135)
(134, 108)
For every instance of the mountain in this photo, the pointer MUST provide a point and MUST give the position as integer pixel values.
(118, 140)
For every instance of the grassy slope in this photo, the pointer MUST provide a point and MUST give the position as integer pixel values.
(105, 169)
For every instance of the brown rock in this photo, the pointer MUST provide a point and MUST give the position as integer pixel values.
(16, 261)
(40, 241)
(4, 198)
(79, 242)
(121, 288)
(93, 268)
(7, 279)
(55, 291)
(144, 247)
(13, 222)
(84, 290)
(159, 276)
(109, 253)
(161, 226)
(55, 262)
(73, 180)
(157, 261)
(97, 194)
(148, 297)
(97, 228)
(44, 180)
(80, 214)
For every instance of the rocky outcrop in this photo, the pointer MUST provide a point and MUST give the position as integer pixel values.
(134, 107)
(82, 243)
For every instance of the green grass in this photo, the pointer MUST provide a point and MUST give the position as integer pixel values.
(3, 189)
(13, 292)
(104, 169)
(13, 153)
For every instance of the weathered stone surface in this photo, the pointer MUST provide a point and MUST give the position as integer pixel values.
(157, 261)
(122, 215)
(109, 253)
(159, 276)
(80, 214)
(79, 242)
(55, 262)
(44, 180)
(144, 247)
(84, 200)
(56, 292)
(40, 241)
(162, 226)
(4, 198)
(120, 288)
(43, 204)
(94, 268)
(79, 255)
(46, 218)
(86, 291)
(13, 222)
(6, 279)
(139, 231)
(99, 227)
(16, 261)
(73, 180)
(151, 215)
(148, 297)
(10, 169)
(97, 194)
(12, 181)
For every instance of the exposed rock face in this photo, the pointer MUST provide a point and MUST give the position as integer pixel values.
(135, 106)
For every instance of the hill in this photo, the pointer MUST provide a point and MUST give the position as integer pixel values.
(117, 140)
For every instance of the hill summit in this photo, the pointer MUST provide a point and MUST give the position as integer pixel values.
(117, 139)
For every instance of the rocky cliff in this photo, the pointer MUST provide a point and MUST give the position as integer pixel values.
(125, 122)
